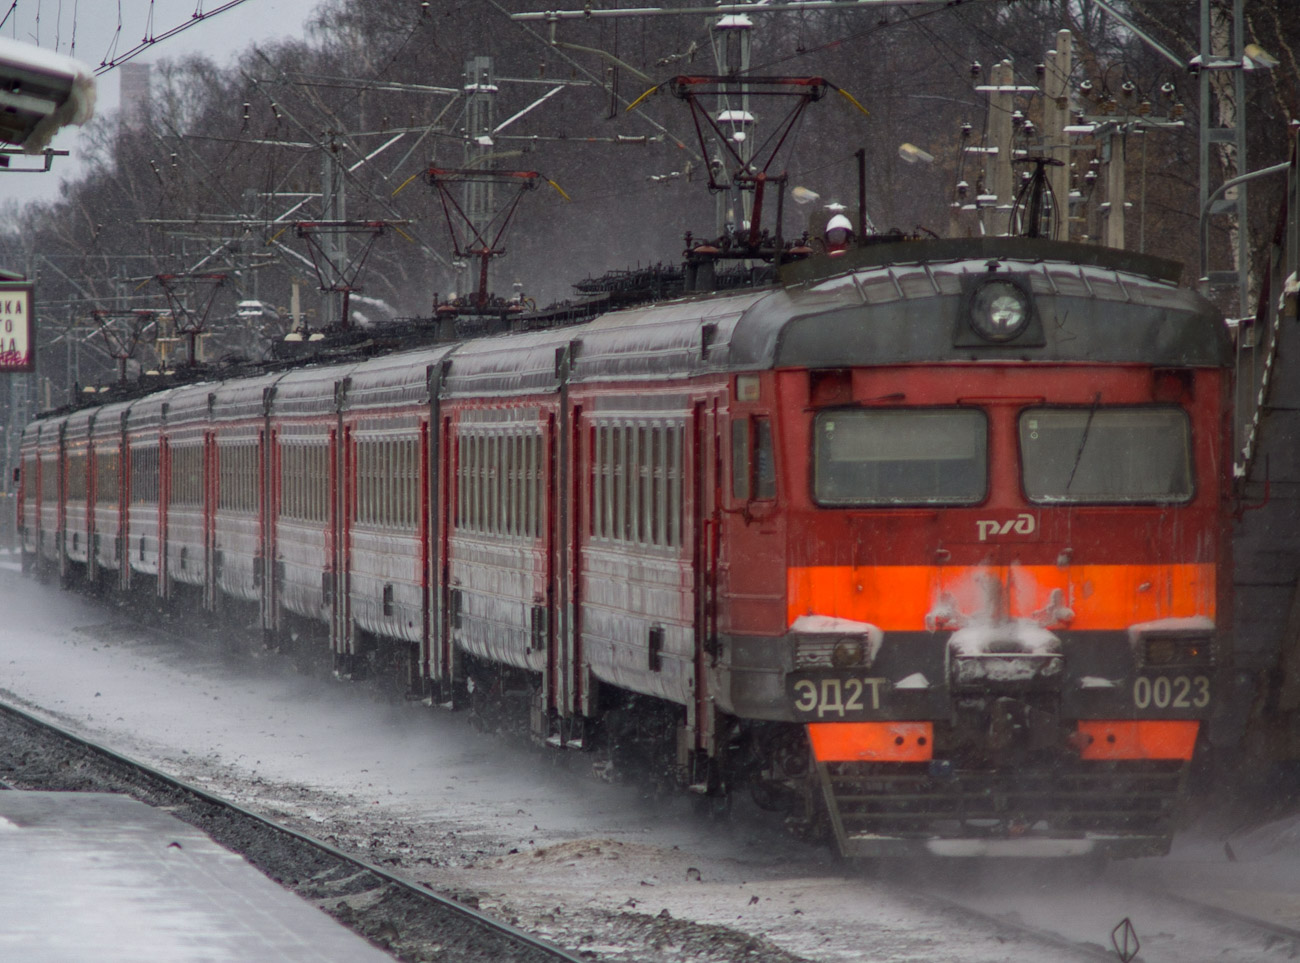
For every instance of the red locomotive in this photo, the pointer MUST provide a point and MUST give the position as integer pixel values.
(926, 545)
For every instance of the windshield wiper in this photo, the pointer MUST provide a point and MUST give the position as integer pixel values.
(1087, 426)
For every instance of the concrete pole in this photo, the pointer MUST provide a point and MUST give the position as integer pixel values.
(1001, 176)
(1116, 188)
(333, 243)
(1056, 116)
(480, 121)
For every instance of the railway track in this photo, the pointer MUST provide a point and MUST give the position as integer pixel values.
(400, 915)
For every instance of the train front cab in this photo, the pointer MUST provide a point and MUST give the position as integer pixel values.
(1003, 579)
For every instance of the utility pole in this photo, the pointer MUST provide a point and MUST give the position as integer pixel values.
(1225, 129)
(333, 243)
(1056, 112)
(1000, 181)
(1115, 154)
(732, 42)
(480, 123)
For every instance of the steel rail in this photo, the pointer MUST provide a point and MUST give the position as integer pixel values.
(449, 906)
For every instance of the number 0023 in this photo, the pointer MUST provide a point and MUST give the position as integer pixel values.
(1171, 692)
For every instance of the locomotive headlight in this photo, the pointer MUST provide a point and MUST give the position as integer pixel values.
(999, 311)
(848, 653)
(1170, 651)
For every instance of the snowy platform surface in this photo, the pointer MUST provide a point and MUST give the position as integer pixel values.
(96, 876)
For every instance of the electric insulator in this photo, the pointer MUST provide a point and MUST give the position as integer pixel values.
(1017, 119)
(975, 68)
(1030, 129)
(1168, 89)
(1177, 111)
(1144, 108)
(965, 130)
(1040, 70)
(1090, 178)
(1085, 88)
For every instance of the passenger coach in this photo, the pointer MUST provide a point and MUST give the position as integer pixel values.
(925, 547)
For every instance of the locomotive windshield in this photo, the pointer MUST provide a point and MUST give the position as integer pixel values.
(1106, 455)
(908, 457)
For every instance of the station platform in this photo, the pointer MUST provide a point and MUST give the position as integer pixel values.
(98, 876)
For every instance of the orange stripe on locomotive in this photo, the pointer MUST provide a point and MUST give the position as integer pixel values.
(898, 598)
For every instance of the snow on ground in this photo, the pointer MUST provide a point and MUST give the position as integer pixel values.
(524, 832)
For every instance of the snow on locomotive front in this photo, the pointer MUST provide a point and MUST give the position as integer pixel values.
(975, 547)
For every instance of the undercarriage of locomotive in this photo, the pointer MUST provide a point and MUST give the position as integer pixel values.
(1007, 777)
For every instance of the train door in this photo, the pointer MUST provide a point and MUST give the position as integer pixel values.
(333, 578)
(572, 688)
(427, 481)
(704, 474)
(443, 491)
(211, 492)
(339, 538)
(164, 496)
(267, 504)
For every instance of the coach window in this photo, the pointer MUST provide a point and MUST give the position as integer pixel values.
(1106, 455)
(478, 482)
(497, 503)
(507, 484)
(675, 457)
(471, 480)
(631, 530)
(507, 444)
(76, 478)
(187, 476)
(49, 481)
(466, 480)
(527, 474)
(144, 476)
(106, 478)
(753, 467)
(913, 456)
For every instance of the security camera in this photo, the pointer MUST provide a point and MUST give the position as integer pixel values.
(40, 93)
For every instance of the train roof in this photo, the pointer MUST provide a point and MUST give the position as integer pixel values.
(908, 311)
(189, 402)
(397, 379)
(108, 421)
(892, 304)
(307, 391)
(889, 303)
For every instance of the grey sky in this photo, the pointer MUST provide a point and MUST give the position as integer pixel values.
(85, 29)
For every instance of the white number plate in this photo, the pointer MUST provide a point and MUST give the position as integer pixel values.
(1171, 692)
(834, 698)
